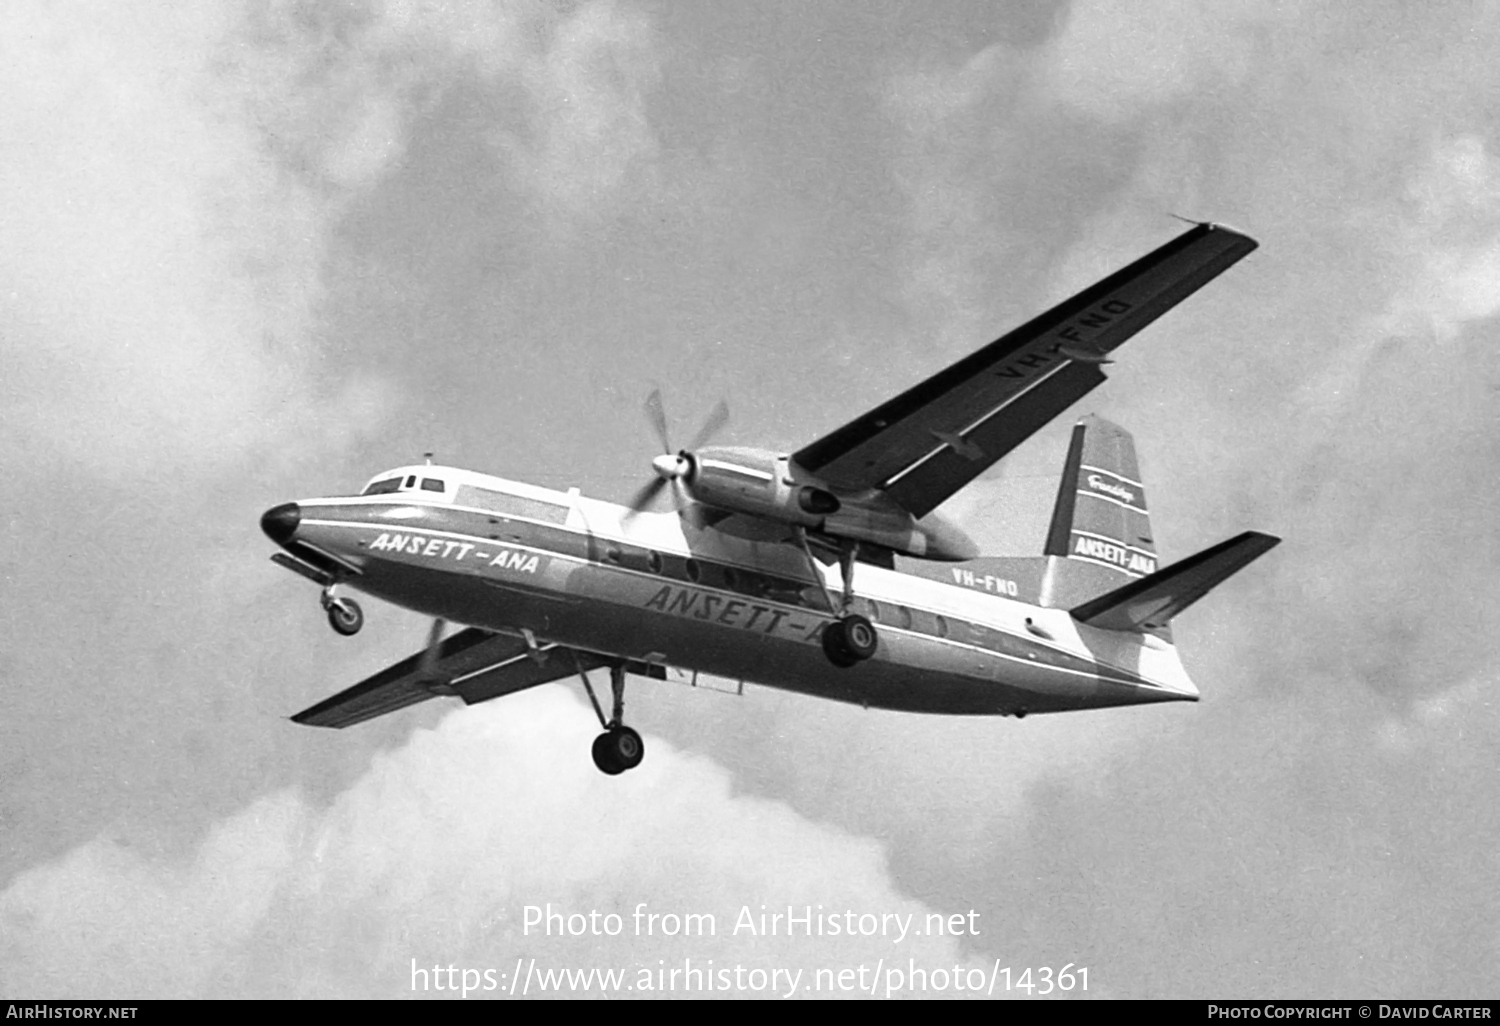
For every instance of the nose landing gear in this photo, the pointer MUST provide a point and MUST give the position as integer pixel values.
(619, 748)
(344, 614)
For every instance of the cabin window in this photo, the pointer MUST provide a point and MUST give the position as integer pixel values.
(693, 570)
(730, 577)
(874, 610)
(492, 501)
(942, 627)
(432, 484)
(903, 618)
(613, 554)
(653, 560)
(390, 484)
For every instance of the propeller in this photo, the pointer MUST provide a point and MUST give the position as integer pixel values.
(670, 467)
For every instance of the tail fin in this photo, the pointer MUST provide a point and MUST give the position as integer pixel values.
(1100, 558)
(1100, 516)
(1149, 603)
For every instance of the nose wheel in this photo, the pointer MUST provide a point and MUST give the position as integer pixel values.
(344, 614)
(619, 748)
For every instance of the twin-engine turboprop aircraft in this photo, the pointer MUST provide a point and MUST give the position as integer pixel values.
(823, 571)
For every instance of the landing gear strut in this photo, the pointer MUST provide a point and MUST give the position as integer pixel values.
(344, 615)
(619, 748)
(850, 638)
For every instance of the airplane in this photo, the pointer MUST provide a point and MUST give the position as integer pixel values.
(824, 571)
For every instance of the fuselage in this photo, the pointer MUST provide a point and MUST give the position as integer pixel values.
(651, 588)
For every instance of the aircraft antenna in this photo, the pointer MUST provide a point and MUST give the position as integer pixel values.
(428, 457)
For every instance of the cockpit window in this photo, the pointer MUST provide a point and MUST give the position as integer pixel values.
(411, 482)
(390, 484)
(432, 484)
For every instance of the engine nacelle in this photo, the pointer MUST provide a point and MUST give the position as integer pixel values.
(761, 484)
(756, 482)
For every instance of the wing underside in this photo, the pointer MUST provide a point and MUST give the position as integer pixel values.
(473, 664)
(936, 437)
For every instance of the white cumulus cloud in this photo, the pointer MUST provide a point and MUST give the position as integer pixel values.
(431, 858)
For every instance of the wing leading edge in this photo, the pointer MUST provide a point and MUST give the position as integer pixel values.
(937, 436)
(474, 664)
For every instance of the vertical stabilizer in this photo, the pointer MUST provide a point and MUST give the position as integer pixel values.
(1100, 516)
(1100, 538)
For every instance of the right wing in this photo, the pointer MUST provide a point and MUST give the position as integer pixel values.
(937, 436)
(474, 664)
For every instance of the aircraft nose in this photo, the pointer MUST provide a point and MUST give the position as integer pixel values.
(280, 522)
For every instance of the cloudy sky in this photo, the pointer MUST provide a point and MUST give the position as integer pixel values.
(256, 251)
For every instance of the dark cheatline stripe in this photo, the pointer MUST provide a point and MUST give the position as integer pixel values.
(713, 575)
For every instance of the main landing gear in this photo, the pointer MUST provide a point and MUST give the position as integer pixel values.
(619, 748)
(850, 638)
(344, 614)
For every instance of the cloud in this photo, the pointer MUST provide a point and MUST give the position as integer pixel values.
(159, 274)
(174, 182)
(1438, 719)
(1113, 62)
(434, 853)
(588, 91)
(1450, 235)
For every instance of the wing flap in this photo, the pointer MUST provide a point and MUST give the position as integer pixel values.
(922, 487)
(474, 664)
(519, 672)
(945, 417)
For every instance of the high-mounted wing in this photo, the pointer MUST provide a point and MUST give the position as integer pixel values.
(474, 664)
(936, 437)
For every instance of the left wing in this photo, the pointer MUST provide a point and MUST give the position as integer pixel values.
(933, 439)
(474, 664)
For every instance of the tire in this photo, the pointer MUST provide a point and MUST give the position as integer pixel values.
(345, 617)
(604, 755)
(836, 647)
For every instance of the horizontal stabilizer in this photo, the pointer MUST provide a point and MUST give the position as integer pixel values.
(1149, 603)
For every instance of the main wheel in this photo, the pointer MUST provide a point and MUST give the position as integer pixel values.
(849, 640)
(345, 617)
(618, 749)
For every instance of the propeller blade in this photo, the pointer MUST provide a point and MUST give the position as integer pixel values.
(712, 426)
(657, 415)
(645, 495)
(669, 468)
(428, 670)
